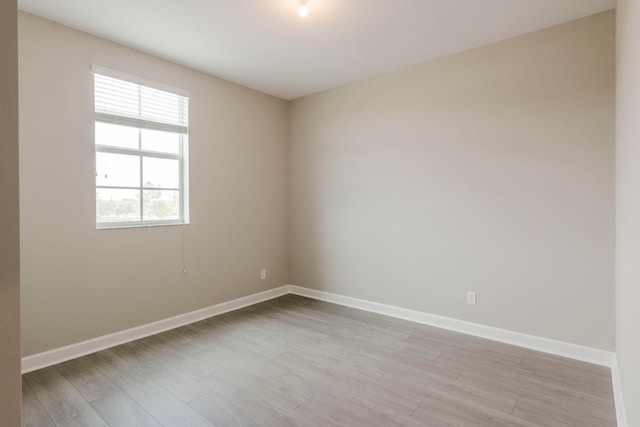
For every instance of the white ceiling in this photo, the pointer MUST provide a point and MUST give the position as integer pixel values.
(265, 45)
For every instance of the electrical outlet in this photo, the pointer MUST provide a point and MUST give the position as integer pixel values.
(263, 274)
(471, 298)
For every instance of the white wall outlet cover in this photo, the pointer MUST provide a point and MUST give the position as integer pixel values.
(471, 297)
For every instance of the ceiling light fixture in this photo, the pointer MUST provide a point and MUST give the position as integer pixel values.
(303, 10)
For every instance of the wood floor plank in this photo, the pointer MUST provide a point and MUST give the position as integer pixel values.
(321, 356)
(297, 328)
(88, 380)
(261, 387)
(564, 365)
(231, 357)
(599, 386)
(553, 414)
(241, 409)
(196, 364)
(387, 360)
(333, 323)
(331, 410)
(313, 384)
(156, 400)
(177, 382)
(549, 395)
(244, 338)
(471, 361)
(33, 413)
(293, 361)
(119, 410)
(299, 361)
(64, 404)
(420, 386)
(440, 410)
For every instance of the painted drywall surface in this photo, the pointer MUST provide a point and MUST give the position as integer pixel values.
(10, 394)
(628, 204)
(79, 282)
(491, 170)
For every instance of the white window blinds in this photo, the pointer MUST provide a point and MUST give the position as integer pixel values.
(131, 104)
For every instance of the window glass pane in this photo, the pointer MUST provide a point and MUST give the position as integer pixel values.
(117, 205)
(116, 135)
(161, 204)
(164, 173)
(117, 170)
(164, 142)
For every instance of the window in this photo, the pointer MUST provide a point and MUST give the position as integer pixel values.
(141, 134)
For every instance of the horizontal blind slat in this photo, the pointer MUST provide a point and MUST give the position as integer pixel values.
(139, 123)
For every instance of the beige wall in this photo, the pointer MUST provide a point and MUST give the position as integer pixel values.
(79, 283)
(628, 203)
(490, 170)
(9, 220)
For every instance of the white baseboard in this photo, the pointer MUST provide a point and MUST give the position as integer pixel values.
(574, 351)
(62, 354)
(621, 411)
(560, 348)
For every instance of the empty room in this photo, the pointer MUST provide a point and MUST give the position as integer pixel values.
(320, 213)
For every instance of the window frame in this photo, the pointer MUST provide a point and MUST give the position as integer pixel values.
(140, 125)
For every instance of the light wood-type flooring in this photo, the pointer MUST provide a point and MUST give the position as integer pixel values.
(294, 361)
